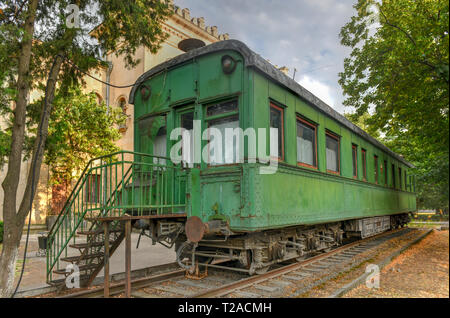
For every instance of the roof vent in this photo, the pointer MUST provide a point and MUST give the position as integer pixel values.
(190, 44)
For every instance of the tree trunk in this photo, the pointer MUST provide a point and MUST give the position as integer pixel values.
(12, 224)
(11, 242)
(41, 138)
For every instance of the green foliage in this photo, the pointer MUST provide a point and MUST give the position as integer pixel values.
(361, 122)
(1, 231)
(80, 129)
(104, 26)
(398, 72)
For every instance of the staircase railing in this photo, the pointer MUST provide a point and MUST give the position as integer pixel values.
(113, 185)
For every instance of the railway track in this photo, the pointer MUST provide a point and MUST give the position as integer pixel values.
(275, 283)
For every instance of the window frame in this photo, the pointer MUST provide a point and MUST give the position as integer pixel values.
(209, 119)
(355, 161)
(386, 173)
(364, 163)
(338, 139)
(314, 126)
(179, 118)
(375, 163)
(400, 175)
(281, 109)
(393, 176)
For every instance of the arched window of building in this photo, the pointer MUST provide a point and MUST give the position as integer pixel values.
(99, 98)
(122, 103)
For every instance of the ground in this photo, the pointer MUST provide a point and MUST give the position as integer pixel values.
(421, 271)
(147, 255)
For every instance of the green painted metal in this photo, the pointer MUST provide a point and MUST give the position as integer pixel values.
(250, 201)
(141, 183)
(112, 185)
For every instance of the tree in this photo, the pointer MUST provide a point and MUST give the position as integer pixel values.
(398, 71)
(42, 43)
(80, 129)
(361, 122)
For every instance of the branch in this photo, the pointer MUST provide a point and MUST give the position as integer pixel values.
(39, 144)
(397, 27)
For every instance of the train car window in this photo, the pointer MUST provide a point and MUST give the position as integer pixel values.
(306, 143)
(393, 176)
(188, 152)
(332, 153)
(277, 121)
(222, 108)
(406, 182)
(228, 118)
(160, 146)
(364, 164)
(355, 161)
(385, 173)
(153, 136)
(400, 177)
(375, 160)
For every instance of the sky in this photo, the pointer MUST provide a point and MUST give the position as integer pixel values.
(300, 34)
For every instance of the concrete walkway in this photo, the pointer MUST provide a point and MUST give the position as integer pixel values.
(147, 255)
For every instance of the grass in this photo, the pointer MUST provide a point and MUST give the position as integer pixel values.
(428, 225)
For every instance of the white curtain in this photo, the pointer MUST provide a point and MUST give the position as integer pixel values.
(332, 160)
(159, 149)
(305, 151)
(188, 152)
(229, 147)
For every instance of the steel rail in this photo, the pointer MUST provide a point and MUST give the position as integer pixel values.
(118, 288)
(142, 282)
(247, 282)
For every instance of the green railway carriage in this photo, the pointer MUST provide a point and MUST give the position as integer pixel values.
(332, 180)
(328, 171)
(195, 84)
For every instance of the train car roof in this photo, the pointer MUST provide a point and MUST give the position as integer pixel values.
(251, 59)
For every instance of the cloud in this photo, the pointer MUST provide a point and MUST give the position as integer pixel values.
(317, 88)
(300, 34)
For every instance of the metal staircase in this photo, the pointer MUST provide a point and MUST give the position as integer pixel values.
(110, 186)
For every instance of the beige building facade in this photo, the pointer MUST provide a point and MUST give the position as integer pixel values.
(180, 26)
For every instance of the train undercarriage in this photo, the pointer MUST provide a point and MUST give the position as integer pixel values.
(255, 252)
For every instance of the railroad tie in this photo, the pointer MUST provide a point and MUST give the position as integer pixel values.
(294, 277)
(300, 274)
(319, 265)
(314, 270)
(332, 261)
(341, 257)
(170, 289)
(269, 289)
(244, 294)
(193, 284)
(142, 294)
(281, 283)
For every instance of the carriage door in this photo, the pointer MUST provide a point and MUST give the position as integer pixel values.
(186, 121)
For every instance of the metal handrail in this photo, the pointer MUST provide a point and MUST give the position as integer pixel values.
(74, 211)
